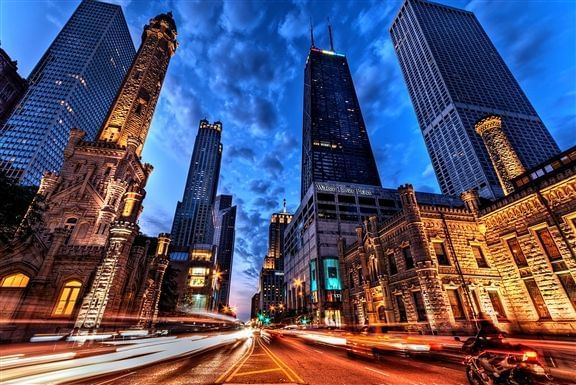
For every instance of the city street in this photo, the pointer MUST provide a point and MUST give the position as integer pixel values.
(288, 360)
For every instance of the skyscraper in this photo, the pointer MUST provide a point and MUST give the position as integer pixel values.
(278, 224)
(192, 230)
(73, 85)
(335, 144)
(455, 77)
(224, 236)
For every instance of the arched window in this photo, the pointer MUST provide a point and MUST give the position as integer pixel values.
(15, 280)
(68, 298)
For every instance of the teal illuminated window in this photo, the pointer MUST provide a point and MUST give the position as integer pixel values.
(331, 275)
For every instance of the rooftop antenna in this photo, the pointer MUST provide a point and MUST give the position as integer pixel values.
(312, 33)
(330, 35)
(284, 211)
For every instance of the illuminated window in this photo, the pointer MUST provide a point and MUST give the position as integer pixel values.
(15, 280)
(548, 244)
(517, 253)
(68, 298)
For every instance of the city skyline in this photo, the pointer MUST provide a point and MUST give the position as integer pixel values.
(372, 68)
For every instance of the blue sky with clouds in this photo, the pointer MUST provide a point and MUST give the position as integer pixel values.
(241, 62)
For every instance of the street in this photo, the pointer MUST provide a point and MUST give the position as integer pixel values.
(287, 360)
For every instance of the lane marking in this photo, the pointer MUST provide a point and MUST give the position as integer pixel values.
(318, 351)
(242, 358)
(377, 371)
(279, 361)
(115, 378)
(257, 372)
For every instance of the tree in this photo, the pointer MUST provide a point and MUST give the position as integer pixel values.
(15, 202)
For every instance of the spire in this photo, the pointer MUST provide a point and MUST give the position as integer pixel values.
(284, 209)
(312, 33)
(330, 35)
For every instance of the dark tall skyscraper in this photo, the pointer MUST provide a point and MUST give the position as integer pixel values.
(73, 85)
(193, 252)
(335, 144)
(224, 236)
(456, 77)
(193, 219)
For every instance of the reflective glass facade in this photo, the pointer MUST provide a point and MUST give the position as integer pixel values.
(193, 224)
(224, 237)
(335, 144)
(455, 77)
(73, 85)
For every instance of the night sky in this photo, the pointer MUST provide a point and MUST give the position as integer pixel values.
(242, 62)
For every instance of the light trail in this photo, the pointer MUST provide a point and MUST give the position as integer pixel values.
(125, 358)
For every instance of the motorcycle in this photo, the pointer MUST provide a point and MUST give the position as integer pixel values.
(508, 365)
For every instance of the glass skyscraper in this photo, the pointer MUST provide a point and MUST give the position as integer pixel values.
(224, 237)
(193, 254)
(193, 218)
(335, 144)
(73, 85)
(455, 77)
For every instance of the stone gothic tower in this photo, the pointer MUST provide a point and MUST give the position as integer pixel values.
(83, 265)
(503, 156)
(132, 111)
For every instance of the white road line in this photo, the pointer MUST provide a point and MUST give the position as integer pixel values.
(318, 351)
(115, 378)
(377, 371)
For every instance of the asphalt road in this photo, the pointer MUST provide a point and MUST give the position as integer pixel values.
(288, 361)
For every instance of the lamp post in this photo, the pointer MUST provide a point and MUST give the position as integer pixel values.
(298, 285)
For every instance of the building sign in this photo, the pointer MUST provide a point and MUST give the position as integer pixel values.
(324, 187)
(331, 274)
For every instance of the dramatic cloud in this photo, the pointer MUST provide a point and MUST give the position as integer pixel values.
(242, 62)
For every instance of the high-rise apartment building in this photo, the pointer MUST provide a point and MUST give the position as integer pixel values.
(73, 85)
(278, 224)
(455, 77)
(193, 252)
(335, 144)
(12, 85)
(224, 237)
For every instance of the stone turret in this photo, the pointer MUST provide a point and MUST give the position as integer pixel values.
(504, 159)
(129, 119)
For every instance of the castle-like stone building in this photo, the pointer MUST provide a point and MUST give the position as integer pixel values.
(438, 269)
(85, 265)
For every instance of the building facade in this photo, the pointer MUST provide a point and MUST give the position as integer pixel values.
(224, 237)
(454, 77)
(73, 85)
(12, 86)
(83, 266)
(438, 269)
(193, 253)
(271, 285)
(328, 214)
(335, 143)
